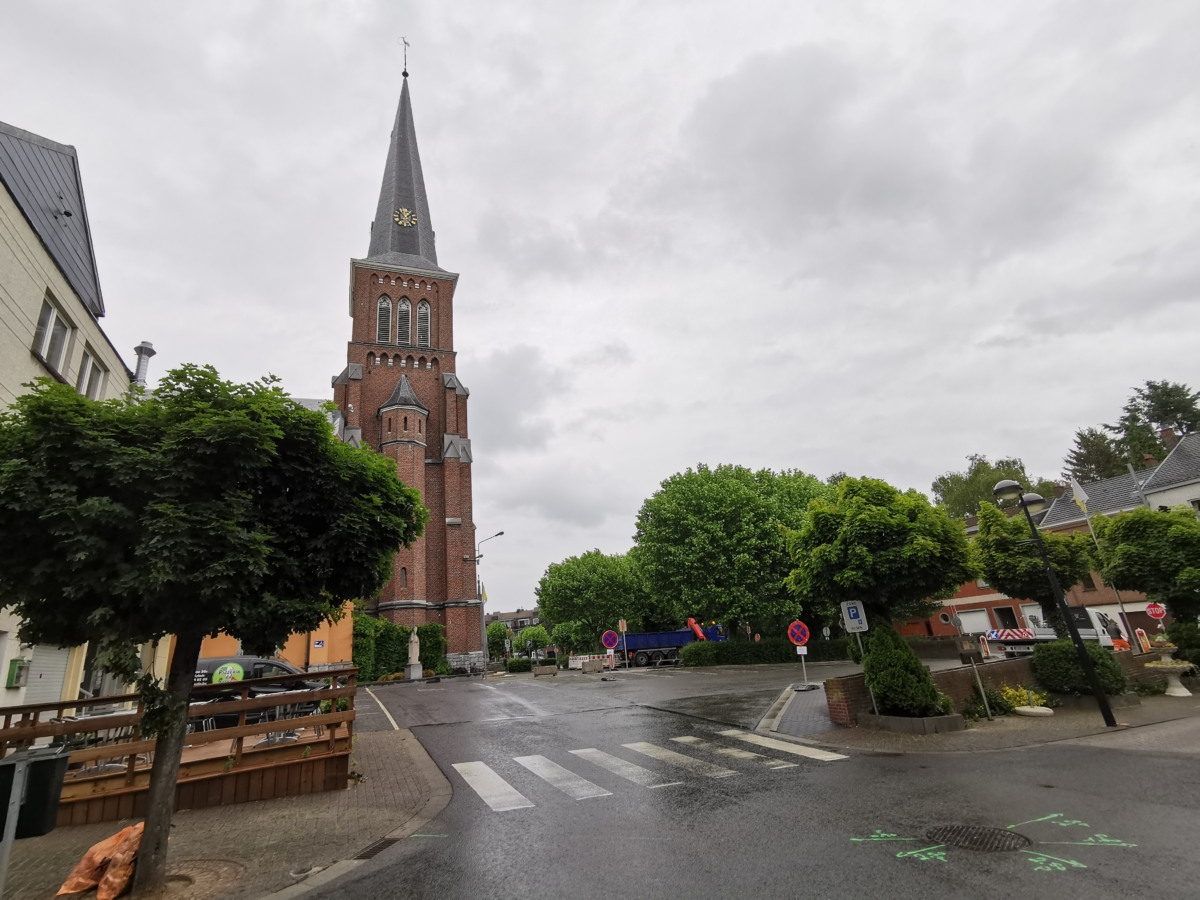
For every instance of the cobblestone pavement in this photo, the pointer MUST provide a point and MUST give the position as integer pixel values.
(270, 838)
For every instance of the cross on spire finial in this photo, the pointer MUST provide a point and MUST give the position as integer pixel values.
(404, 41)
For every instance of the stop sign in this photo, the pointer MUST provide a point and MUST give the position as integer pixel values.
(1156, 610)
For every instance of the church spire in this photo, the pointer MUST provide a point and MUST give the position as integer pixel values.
(402, 233)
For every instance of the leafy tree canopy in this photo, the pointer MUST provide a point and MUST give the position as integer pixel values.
(1010, 562)
(709, 542)
(1155, 552)
(564, 636)
(893, 552)
(591, 592)
(962, 492)
(203, 507)
(1094, 456)
(496, 635)
(535, 633)
(1165, 404)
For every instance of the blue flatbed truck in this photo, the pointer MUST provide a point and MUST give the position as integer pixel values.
(652, 648)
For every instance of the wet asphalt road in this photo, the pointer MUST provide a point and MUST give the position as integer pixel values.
(765, 831)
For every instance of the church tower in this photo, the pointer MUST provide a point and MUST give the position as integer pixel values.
(399, 396)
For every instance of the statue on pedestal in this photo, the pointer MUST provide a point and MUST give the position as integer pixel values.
(413, 671)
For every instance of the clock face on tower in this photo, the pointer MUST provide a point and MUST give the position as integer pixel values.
(405, 218)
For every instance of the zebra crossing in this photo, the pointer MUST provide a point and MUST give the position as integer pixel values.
(501, 796)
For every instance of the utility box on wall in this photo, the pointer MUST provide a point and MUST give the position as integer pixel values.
(18, 673)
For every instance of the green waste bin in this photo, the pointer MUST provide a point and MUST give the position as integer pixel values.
(43, 787)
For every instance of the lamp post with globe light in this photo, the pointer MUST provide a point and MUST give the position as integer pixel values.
(1031, 503)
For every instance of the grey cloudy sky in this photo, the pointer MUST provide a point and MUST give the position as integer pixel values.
(859, 236)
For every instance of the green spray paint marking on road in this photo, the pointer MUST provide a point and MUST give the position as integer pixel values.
(926, 853)
(1043, 862)
(881, 836)
(1098, 840)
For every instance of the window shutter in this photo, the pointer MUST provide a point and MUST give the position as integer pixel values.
(423, 324)
(403, 321)
(384, 335)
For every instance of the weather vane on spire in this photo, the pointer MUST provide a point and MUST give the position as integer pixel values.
(404, 41)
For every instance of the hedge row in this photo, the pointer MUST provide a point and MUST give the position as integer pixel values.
(769, 650)
(381, 647)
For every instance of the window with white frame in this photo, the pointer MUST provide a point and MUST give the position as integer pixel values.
(52, 336)
(403, 321)
(384, 323)
(423, 323)
(1195, 505)
(92, 376)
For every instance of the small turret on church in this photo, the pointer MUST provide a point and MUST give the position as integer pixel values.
(399, 396)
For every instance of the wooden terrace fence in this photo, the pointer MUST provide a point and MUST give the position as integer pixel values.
(301, 750)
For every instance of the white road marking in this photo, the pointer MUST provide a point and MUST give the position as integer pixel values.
(491, 788)
(395, 727)
(563, 779)
(783, 746)
(678, 759)
(735, 752)
(626, 770)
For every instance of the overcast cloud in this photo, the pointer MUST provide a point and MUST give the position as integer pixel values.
(870, 237)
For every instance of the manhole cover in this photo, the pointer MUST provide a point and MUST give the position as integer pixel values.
(978, 837)
(201, 879)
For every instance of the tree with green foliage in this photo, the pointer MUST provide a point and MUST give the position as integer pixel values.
(892, 552)
(962, 492)
(1157, 553)
(535, 633)
(899, 681)
(1164, 404)
(1094, 456)
(1010, 562)
(497, 632)
(204, 507)
(709, 542)
(896, 555)
(591, 592)
(564, 637)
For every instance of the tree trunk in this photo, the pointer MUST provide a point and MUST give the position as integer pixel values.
(1053, 617)
(150, 876)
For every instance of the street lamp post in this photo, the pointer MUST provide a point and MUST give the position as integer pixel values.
(1031, 503)
(479, 593)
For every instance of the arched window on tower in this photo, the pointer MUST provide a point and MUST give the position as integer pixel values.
(423, 323)
(403, 577)
(384, 329)
(403, 322)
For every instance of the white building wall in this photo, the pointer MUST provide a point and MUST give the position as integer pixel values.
(28, 275)
(1180, 495)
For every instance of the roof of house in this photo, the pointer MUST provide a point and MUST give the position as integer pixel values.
(1181, 466)
(404, 396)
(402, 233)
(1109, 495)
(43, 178)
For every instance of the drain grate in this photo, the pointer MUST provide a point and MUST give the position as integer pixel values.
(373, 850)
(978, 837)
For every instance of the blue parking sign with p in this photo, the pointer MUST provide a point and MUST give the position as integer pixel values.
(854, 618)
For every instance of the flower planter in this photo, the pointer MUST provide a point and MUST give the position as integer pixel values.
(1172, 668)
(912, 724)
(544, 670)
(1033, 710)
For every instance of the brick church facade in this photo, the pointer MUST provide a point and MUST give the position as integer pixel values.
(399, 396)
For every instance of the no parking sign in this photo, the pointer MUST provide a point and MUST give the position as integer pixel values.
(609, 640)
(798, 633)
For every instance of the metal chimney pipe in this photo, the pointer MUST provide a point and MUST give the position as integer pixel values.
(144, 351)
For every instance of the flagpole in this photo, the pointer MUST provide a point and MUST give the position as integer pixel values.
(1081, 498)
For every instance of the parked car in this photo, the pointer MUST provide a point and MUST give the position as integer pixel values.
(232, 669)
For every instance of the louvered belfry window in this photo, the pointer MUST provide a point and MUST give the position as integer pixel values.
(403, 322)
(423, 324)
(385, 321)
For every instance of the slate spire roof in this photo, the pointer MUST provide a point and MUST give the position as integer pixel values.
(402, 233)
(43, 178)
(404, 396)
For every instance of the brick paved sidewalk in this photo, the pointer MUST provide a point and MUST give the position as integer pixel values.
(271, 838)
(1002, 733)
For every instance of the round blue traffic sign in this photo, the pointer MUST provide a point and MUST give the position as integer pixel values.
(610, 640)
(798, 633)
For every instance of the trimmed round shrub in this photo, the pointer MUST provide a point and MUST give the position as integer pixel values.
(902, 685)
(519, 664)
(1057, 668)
